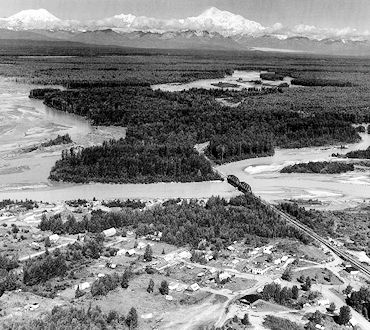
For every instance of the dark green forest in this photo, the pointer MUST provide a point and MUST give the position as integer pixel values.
(362, 154)
(115, 90)
(218, 222)
(132, 161)
(156, 119)
(319, 167)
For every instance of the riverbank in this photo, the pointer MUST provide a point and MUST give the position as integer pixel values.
(335, 191)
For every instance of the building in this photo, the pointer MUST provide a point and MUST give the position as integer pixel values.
(194, 287)
(352, 270)
(110, 232)
(54, 238)
(258, 271)
(130, 253)
(83, 286)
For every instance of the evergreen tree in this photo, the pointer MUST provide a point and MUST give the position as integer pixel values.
(245, 319)
(332, 308)
(306, 286)
(348, 289)
(47, 242)
(316, 317)
(148, 254)
(150, 288)
(295, 292)
(344, 315)
(132, 319)
(78, 292)
(163, 289)
(124, 281)
(287, 275)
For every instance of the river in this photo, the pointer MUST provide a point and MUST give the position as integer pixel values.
(337, 191)
(25, 122)
(240, 80)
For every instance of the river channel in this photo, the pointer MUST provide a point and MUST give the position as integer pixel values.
(25, 122)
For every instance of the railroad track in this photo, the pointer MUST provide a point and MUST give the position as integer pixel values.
(342, 254)
(234, 181)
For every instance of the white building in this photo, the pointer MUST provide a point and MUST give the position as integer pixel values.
(54, 238)
(110, 232)
(194, 287)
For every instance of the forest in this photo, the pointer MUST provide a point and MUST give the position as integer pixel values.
(361, 154)
(314, 219)
(360, 301)
(319, 167)
(66, 318)
(128, 161)
(60, 139)
(320, 82)
(185, 118)
(218, 222)
(28, 204)
(115, 90)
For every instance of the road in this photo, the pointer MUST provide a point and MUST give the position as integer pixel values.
(339, 252)
(37, 254)
(308, 231)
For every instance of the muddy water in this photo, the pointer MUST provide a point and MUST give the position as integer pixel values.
(335, 190)
(243, 79)
(25, 122)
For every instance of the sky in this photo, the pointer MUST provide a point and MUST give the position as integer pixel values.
(320, 13)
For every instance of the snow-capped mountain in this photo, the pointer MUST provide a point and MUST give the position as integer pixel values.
(31, 19)
(212, 20)
(223, 22)
(212, 29)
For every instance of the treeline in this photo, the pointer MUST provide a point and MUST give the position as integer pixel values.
(311, 218)
(264, 119)
(362, 154)
(134, 204)
(28, 204)
(284, 296)
(319, 167)
(271, 76)
(60, 139)
(360, 301)
(218, 222)
(127, 161)
(320, 82)
(100, 84)
(44, 268)
(50, 265)
(66, 318)
(193, 116)
(41, 93)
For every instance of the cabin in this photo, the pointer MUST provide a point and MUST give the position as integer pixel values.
(110, 232)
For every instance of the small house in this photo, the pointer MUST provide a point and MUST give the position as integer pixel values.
(194, 287)
(110, 232)
(352, 270)
(83, 286)
(130, 253)
(35, 246)
(54, 238)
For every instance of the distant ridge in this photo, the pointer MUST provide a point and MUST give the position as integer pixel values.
(212, 29)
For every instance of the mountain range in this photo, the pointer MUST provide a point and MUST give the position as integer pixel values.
(212, 29)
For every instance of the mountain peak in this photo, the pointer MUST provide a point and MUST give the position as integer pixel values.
(31, 19)
(213, 11)
(225, 22)
(35, 14)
